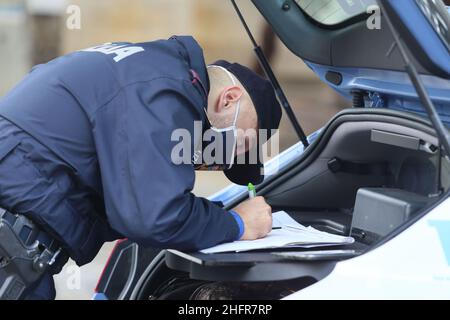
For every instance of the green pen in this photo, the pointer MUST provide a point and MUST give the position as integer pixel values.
(251, 191)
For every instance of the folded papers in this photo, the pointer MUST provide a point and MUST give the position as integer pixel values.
(291, 235)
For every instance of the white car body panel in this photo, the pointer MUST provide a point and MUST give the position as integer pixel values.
(413, 265)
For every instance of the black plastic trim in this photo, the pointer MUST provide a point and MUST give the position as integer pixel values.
(309, 155)
(334, 78)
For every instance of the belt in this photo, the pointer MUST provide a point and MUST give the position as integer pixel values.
(29, 233)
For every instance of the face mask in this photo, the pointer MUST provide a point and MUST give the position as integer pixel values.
(225, 149)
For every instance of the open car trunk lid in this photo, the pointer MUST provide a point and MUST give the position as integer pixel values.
(354, 51)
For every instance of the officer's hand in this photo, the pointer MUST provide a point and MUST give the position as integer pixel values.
(257, 217)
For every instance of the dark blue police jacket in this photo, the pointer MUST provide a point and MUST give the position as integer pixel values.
(109, 113)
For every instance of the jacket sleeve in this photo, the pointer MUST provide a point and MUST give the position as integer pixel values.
(147, 197)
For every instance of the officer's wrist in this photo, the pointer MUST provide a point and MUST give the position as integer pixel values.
(240, 223)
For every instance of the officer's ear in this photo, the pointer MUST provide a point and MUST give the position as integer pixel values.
(228, 98)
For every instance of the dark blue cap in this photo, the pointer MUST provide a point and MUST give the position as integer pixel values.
(269, 115)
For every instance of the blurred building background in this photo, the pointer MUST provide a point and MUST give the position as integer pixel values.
(36, 31)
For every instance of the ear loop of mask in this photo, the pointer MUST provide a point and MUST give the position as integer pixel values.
(238, 107)
(236, 115)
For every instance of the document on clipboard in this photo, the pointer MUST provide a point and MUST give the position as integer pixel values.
(288, 233)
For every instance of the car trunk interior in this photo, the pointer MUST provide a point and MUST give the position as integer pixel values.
(370, 170)
(377, 158)
(368, 173)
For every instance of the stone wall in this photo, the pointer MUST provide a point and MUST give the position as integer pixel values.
(28, 38)
(213, 23)
(14, 44)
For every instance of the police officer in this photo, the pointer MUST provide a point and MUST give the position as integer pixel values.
(86, 149)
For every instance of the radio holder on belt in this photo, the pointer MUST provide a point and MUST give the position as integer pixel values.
(21, 265)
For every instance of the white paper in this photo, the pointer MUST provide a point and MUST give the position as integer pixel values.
(291, 234)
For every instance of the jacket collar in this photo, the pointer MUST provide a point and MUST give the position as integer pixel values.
(193, 54)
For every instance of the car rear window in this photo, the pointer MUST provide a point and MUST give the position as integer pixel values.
(332, 12)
